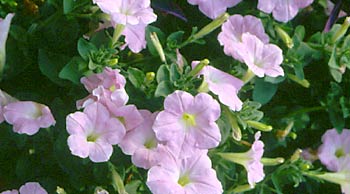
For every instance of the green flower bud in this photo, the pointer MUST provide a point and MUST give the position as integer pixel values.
(285, 37)
(158, 46)
(211, 26)
(259, 126)
(341, 32)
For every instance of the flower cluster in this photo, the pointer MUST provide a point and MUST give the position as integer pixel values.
(244, 39)
(27, 117)
(28, 188)
(106, 117)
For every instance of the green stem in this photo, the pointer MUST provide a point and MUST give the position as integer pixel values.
(306, 110)
(249, 75)
(117, 181)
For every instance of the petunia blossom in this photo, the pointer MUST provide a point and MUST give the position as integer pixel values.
(109, 78)
(142, 143)
(93, 132)
(189, 121)
(233, 29)
(283, 10)
(134, 15)
(32, 188)
(251, 160)
(128, 12)
(128, 115)
(4, 30)
(106, 87)
(225, 85)
(262, 59)
(4, 100)
(14, 191)
(28, 117)
(334, 147)
(341, 177)
(111, 99)
(214, 8)
(192, 175)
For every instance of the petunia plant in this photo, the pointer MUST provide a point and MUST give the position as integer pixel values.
(170, 96)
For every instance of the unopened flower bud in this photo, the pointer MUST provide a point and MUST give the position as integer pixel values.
(211, 26)
(272, 161)
(242, 188)
(341, 31)
(302, 82)
(113, 62)
(285, 37)
(158, 46)
(198, 68)
(60, 190)
(149, 77)
(259, 126)
(296, 155)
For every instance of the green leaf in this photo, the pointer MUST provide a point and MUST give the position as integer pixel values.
(175, 39)
(68, 6)
(131, 188)
(174, 72)
(334, 67)
(85, 48)
(163, 89)
(163, 73)
(264, 91)
(50, 65)
(73, 70)
(136, 77)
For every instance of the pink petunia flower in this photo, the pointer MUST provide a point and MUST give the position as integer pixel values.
(192, 175)
(225, 85)
(214, 8)
(135, 15)
(14, 191)
(106, 87)
(128, 12)
(128, 115)
(4, 30)
(341, 177)
(142, 143)
(32, 188)
(28, 117)
(4, 100)
(110, 79)
(233, 29)
(117, 98)
(251, 160)
(262, 59)
(334, 147)
(28, 188)
(93, 132)
(283, 10)
(189, 121)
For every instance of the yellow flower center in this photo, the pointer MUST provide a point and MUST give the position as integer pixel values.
(92, 137)
(339, 153)
(184, 180)
(112, 88)
(189, 119)
(150, 143)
